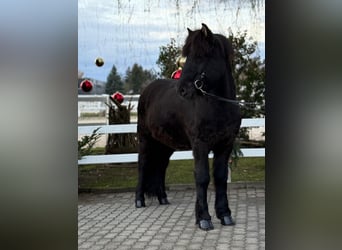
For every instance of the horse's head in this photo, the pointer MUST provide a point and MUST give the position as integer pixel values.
(208, 64)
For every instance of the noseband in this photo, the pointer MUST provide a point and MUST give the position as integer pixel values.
(199, 84)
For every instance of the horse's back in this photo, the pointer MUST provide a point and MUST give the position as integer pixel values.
(157, 89)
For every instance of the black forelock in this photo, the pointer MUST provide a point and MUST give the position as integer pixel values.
(196, 45)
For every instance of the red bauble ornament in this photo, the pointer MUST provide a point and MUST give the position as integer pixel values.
(176, 74)
(86, 85)
(118, 97)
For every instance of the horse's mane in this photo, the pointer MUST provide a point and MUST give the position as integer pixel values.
(199, 44)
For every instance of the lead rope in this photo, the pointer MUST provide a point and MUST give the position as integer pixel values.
(199, 85)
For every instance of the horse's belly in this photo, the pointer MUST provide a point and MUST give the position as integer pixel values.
(171, 136)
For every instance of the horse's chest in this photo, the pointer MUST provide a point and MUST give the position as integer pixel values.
(213, 130)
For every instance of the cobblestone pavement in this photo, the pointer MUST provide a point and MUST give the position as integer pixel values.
(111, 221)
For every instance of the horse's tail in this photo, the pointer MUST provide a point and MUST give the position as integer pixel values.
(153, 161)
(153, 181)
(153, 164)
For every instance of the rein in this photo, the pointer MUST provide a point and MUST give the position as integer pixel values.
(199, 86)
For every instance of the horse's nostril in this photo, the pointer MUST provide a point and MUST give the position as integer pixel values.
(182, 91)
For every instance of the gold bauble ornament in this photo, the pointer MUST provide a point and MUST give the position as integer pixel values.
(99, 62)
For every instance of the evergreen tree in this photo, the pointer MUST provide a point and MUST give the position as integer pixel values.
(249, 74)
(114, 82)
(137, 78)
(167, 58)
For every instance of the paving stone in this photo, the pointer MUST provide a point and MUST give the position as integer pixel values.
(222, 246)
(97, 247)
(86, 244)
(110, 221)
(252, 247)
(195, 246)
(178, 247)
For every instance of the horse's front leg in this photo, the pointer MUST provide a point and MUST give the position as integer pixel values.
(220, 165)
(202, 178)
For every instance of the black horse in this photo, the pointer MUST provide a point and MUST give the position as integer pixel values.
(177, 115)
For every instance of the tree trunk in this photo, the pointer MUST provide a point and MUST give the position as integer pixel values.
(120, 143)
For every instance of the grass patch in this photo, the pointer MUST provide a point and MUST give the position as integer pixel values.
(107, 176)
(179, 172)
(93, 114)
(247, 169)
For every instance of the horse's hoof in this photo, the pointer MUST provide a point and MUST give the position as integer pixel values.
(206, 225)
(227, 221)
(163, 201)
(139, 203)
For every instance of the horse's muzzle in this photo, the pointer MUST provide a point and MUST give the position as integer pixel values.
(186, 90)
(182, 91)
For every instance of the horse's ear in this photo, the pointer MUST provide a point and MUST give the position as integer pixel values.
(206, 31)
(189, 31)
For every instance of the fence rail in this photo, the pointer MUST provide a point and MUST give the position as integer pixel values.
(133, 157)
(132, 128)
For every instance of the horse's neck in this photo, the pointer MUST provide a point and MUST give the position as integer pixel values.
(227, 88)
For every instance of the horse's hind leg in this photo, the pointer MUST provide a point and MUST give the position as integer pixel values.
(142, 165)
(220, 163)
(153, 161)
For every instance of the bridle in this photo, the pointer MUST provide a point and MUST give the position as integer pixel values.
(199, 84)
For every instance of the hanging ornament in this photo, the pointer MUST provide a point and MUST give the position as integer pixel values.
(86, 85)
(99, 62)
(118, 97)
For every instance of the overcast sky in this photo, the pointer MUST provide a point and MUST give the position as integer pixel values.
(128, 32)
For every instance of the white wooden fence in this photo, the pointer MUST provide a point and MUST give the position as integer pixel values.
(133, 157)
(92, 103)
